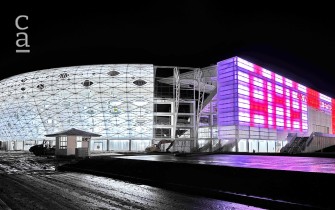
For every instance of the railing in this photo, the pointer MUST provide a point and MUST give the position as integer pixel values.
(293, 145)
(296, 145)
(204, 147)
(288, 146)
(309, 140)
(223, 148)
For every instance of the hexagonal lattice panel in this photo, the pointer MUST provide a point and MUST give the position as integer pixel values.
(103, 99)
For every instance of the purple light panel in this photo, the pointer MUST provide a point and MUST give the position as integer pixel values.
(227, 112)
(253, 96)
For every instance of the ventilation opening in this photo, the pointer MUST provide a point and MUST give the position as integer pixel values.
(140, 82)
(63, 75)
(90, 111)
(113, 73)
(87, 83)
(40, 86)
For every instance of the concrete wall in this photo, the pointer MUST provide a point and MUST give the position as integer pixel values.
(61, 152)
(320, 142)
(318, 121)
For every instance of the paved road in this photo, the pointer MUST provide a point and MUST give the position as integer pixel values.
(29, 182)
(305, 164)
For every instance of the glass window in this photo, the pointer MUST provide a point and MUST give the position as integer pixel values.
(242, 145)
(79, 141)
(162, 132)
(62, 142)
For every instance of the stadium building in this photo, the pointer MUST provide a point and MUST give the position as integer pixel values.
(232, 106)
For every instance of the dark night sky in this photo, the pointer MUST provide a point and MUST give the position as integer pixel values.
(296, 41)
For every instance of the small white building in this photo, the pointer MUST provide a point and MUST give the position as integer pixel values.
(73, 142)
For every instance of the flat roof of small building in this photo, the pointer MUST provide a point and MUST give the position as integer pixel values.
(73, 132)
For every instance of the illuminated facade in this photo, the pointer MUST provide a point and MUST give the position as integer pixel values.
(115, 101)
(257, 110)
(257, 106)
(232, 106)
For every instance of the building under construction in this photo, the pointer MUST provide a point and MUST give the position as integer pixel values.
(232, 106)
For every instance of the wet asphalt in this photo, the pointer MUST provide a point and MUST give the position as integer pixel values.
(286, 163)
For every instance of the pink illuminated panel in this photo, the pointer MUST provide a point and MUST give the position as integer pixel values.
(266, 99)
(227, 113)
(319, 101)
(254, 96)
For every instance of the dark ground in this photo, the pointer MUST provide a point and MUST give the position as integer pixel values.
(271, 189)
(166, 181)
(28, 182)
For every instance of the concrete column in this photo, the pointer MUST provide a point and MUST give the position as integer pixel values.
(89, 147)
(257, 145)
(236, 145)
(8, 145)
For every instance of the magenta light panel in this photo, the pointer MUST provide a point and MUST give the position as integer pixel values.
(253, 96)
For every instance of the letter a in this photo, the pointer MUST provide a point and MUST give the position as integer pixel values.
(25, 40)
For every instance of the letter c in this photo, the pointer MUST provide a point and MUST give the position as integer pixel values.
(17, 22)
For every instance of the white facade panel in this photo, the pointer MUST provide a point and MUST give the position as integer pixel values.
(115, 101)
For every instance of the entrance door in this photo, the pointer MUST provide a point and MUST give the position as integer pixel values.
(97, 146)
